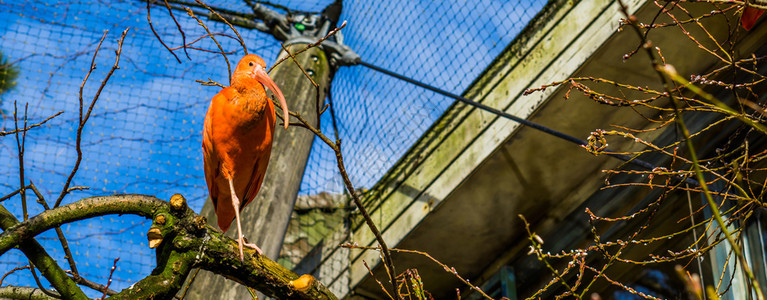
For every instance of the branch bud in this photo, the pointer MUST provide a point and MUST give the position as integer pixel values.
(160, 219)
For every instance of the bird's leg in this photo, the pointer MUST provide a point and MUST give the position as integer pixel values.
(240, 238)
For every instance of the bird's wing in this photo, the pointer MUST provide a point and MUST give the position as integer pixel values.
(256, 179)
(264, 138)
(211, 159)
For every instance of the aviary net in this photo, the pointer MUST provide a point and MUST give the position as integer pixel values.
(144, 132)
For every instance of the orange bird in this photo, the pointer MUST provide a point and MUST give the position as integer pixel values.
(237, 141)
(749, 17)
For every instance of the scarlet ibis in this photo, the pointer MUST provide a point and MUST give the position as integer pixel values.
(749, 17)
(237, 141)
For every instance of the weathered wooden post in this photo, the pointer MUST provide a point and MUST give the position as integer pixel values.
(265, 220)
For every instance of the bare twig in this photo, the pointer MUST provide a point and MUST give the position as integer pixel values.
(376, 279)
(59, 232)
(447, 268)
(181, 31)
(228, 65)
(95, 286)
(4, 133)
(6, 197)
(209, 83)
(40, 284)
(20, 146)
(84, 118)
(13, 271)
(316, 86)
(239, 38)
(109, 280)
(149, 20)
(336, 147)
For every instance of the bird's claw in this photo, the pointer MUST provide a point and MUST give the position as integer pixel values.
(244, 242)
(253, 246)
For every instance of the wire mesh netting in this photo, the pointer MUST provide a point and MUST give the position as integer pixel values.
(144, 133)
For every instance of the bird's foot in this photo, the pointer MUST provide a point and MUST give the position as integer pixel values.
(258, 250)
(243, 242)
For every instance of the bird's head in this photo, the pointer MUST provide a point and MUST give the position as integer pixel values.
(253, 66)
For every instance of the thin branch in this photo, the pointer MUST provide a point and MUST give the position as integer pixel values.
(95, 286)
(228, 65)
(14, 271)
(20, 146)
(149, 20)
(83, 119)
(663, 72)
(183, 36)
(336, 147)
(59, 232)
(109, 281)
(376, 279)
(447, 268)
(40, 284)
(209, 83)
(316, 86)
(239, 38)
(4, 133)
(186, 289)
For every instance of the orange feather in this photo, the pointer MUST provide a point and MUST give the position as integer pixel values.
(237, 139)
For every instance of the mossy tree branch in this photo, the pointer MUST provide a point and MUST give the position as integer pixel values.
(23, 292)
(184, 241)
(43, 262)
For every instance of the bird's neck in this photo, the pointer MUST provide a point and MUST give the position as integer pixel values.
(251, 96)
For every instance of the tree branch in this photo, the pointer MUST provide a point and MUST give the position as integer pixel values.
(84, 118)
(23, 293)
(183, 240)
(40, 258)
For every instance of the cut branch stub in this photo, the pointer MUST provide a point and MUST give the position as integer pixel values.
(303, 283)
(154, 236)
(178, 203)
(200, 222)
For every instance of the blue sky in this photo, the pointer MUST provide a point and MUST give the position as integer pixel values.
(145, 132)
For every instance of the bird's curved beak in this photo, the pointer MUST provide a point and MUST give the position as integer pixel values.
(263, 78)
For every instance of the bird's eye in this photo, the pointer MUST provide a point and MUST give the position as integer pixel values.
(250, 64)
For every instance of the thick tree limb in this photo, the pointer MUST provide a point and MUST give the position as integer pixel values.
(42, 261)
(184, 241)
(22, 292)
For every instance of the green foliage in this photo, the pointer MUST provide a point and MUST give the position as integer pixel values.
(8, 75)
